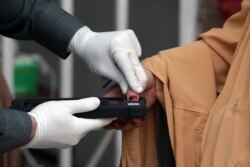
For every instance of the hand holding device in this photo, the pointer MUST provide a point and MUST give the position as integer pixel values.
(125, 123)
(57, 127)
(113, 55)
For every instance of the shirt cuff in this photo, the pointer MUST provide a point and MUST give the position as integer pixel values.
(15, 129)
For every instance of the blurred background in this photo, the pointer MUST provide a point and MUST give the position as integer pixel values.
(32, 71)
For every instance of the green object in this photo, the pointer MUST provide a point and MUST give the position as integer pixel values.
(26, 77)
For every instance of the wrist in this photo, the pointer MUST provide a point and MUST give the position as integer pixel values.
(78, 37)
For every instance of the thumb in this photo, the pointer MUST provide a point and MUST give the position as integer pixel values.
(81, 105)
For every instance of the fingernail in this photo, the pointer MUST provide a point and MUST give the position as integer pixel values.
(133, 97)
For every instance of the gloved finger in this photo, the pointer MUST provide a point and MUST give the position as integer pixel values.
(81, 105)
(93, 124)
(138, 70)
(135, 43)
(114, 74)
(123, 61)
(123, 85)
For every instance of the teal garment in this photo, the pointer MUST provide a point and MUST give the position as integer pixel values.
(40, 20)
(15, 129)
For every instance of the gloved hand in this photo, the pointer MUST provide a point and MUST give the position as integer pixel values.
(113, 55)
(58, 128)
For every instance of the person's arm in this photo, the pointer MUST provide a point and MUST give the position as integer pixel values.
(41, 20)
(49, 125)
(55, 126)
(15, 129)
(113, 55)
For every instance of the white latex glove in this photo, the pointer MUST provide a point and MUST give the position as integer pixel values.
(58, 128)
(113, 55)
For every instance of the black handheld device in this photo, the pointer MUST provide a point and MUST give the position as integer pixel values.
(109, 107)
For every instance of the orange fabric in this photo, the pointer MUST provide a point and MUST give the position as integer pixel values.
(141, 141)
(226, 140)
(188, 81)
